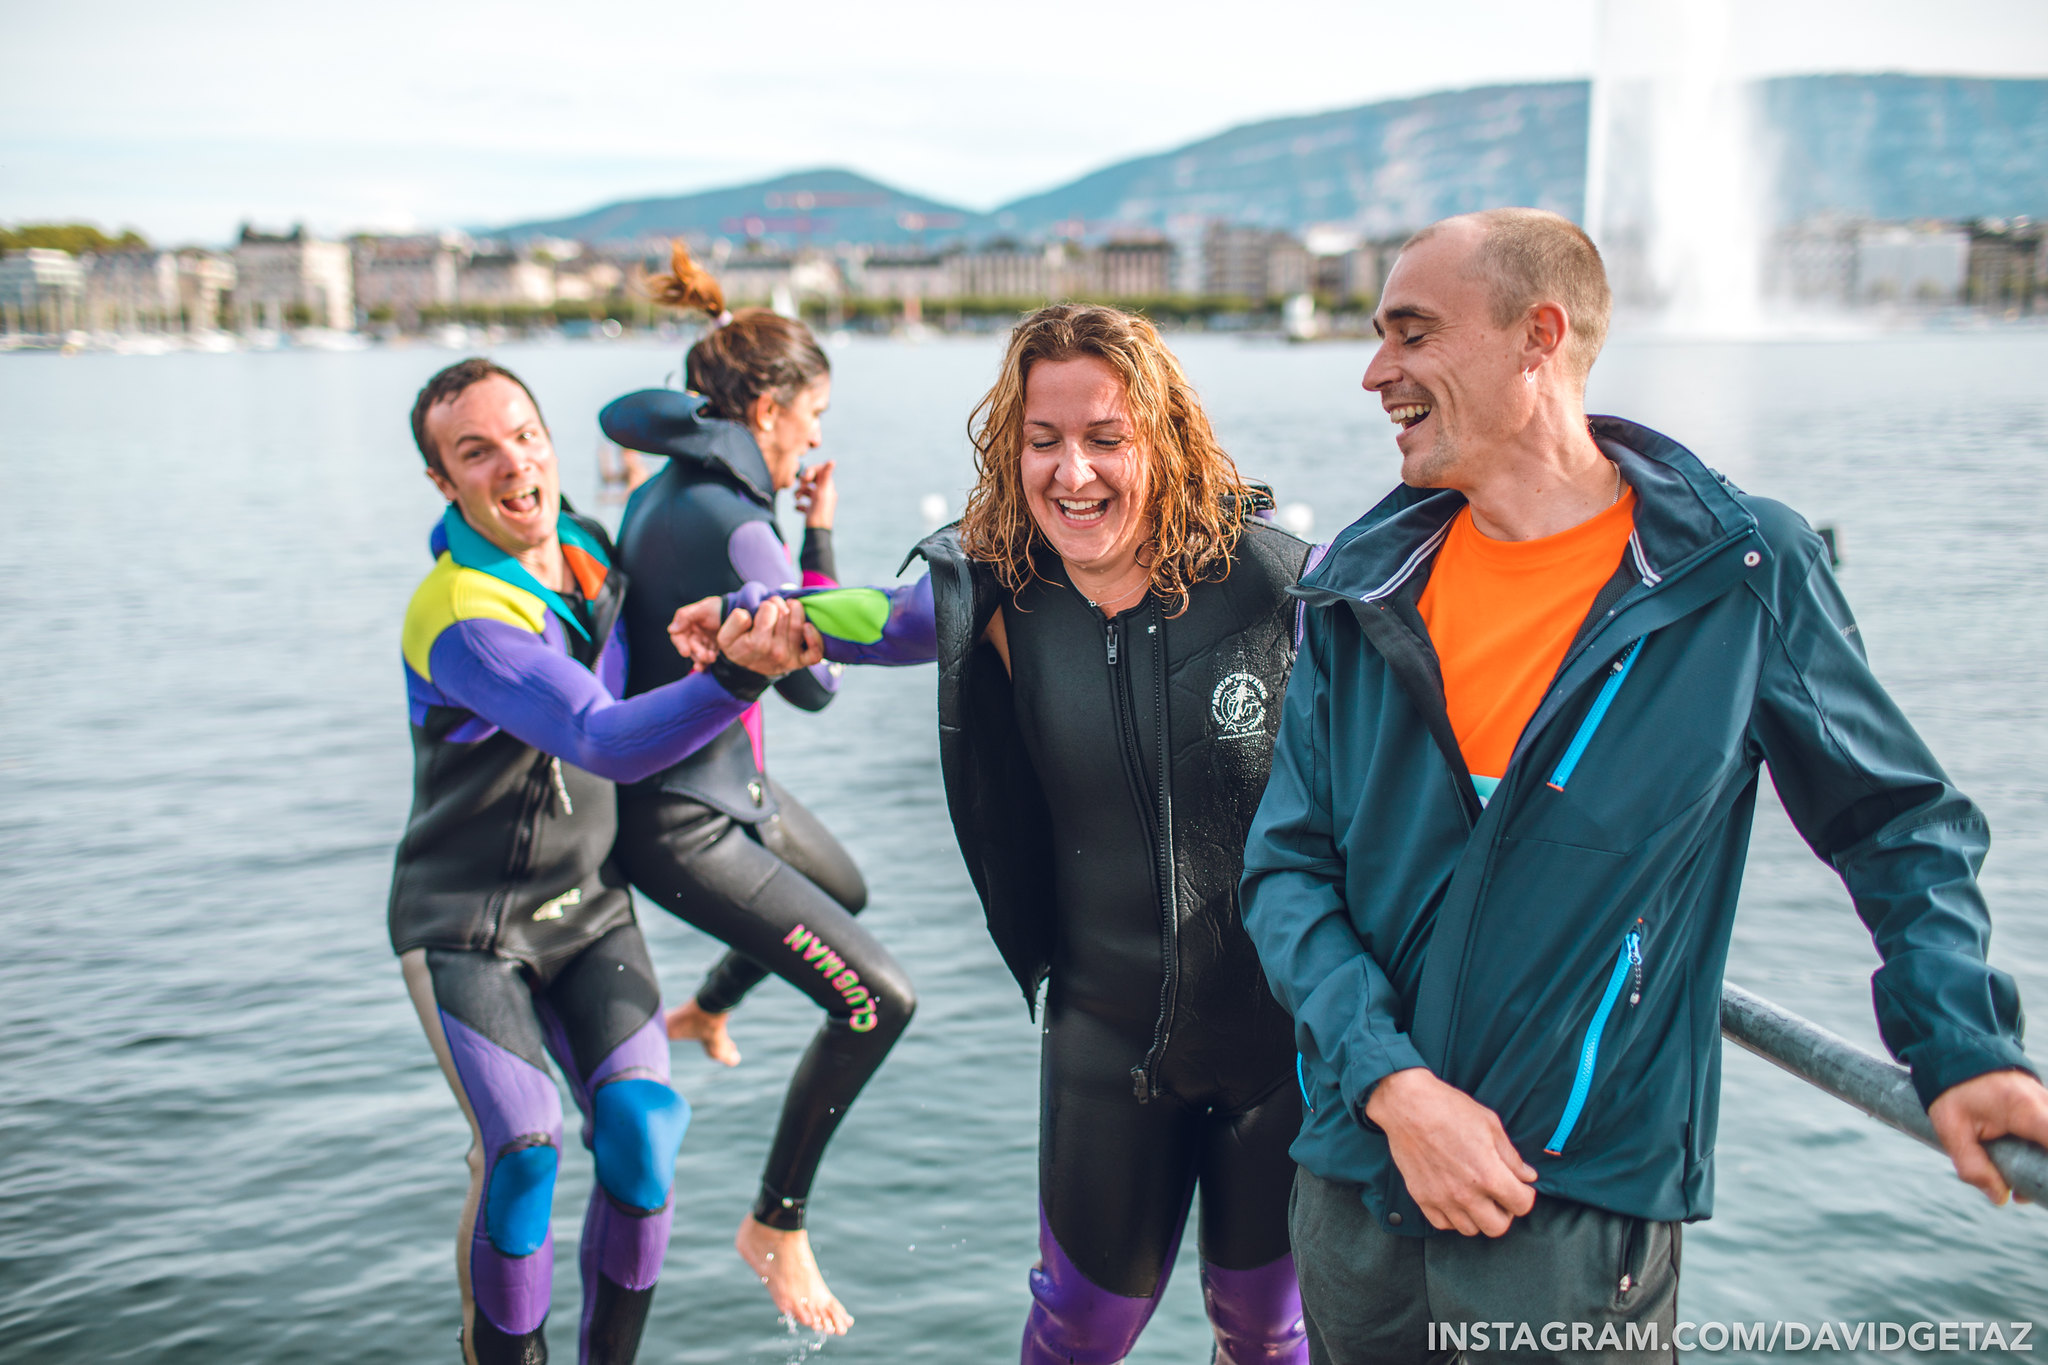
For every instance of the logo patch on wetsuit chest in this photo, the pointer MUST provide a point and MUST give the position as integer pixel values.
(1238, 706)
(553, 909)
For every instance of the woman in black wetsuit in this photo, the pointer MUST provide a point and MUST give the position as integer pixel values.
(714, 839)
(1113, 632)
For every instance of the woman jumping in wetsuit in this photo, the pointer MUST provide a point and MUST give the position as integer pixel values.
(714, 839)
(1114, 633)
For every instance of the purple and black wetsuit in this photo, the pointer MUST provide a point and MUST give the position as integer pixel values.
(714, 839)
(1101, 788)
(516, 931)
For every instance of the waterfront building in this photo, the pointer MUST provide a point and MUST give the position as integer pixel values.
(1253, 263)
(922, 275)
(205, 280)
(587, 278)
(1134, 268)
(1830, 261)
(2008, 264)
(1004, 269)
(1343, 267)
(41, 290)
(397, 277)
(1811, 262)
(1923, 263)
(131, 291)
(506, 279)
(293, 280)
(757, 276)
(752, 277)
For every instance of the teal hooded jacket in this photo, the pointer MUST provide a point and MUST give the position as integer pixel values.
(1557, 952)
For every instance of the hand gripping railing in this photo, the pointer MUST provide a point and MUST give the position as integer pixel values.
(1879, 1088)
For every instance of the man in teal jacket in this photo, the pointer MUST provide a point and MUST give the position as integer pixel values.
(1504, 955)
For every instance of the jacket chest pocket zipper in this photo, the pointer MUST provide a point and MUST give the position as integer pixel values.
(1627, 971)
(1616, 676)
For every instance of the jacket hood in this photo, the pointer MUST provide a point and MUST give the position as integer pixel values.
(672, 423)
(1683, 510)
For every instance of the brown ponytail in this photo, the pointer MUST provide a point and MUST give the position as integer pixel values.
(687, 284)
(745, 354)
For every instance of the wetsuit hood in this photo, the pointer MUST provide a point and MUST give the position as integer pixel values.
(672, 423)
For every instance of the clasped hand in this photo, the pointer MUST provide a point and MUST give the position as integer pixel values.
(772, 640)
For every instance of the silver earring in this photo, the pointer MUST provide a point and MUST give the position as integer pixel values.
(1529, 377)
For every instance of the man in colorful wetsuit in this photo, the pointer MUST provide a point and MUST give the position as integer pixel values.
(514, 929)
(1495, 871)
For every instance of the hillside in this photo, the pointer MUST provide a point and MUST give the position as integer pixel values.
(820, 207)
(1383, 168)
(1884, 146)
(1897, 147)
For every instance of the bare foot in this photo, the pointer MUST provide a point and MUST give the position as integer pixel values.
(693, 1021)
(784, 1262)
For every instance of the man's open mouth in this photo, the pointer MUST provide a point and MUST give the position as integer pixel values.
(524, 503)
(1408, 414)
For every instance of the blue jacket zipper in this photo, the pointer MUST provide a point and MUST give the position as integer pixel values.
(1629, 960)
(1608, 691)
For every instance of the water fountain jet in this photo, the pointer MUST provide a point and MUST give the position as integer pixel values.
(1673, 172)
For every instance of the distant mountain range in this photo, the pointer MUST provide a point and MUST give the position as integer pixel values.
(1896, 147)
(804, 206)
(1879, 146)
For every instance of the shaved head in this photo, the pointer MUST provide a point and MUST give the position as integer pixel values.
(1529, 256)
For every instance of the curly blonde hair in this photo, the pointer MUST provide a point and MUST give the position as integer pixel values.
(1197, 498)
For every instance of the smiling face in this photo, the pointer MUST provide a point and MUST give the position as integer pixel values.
(497, 464)
(1085, 477)
(1447, 374)
(786, 432)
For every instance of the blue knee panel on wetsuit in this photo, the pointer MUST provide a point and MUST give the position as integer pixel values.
(521, 1196)
(638, 1128)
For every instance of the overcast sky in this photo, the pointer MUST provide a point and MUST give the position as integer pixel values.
(184, 120)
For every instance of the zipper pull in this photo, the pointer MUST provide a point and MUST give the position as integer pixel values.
(561, 787)
(1109, 635)
(1635, 957)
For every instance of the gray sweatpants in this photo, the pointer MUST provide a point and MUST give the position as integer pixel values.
(1369, 1296)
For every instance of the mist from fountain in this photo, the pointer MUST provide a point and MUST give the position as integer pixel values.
(1675, 176)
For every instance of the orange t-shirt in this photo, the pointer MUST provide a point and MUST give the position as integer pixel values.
(1501, 614)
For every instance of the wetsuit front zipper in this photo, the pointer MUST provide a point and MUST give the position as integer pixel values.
(1143, 1083)
(539, 792)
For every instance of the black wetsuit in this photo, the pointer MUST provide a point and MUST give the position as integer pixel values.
(714, 839)
(1166, 1061)
(1100, 790)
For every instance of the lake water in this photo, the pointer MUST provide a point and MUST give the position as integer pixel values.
(223, 1139)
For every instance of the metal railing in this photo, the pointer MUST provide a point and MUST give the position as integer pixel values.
(1879, 1088)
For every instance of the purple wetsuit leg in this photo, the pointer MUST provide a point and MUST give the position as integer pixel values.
(1256, 1314)
(623, 1247)
(1073, 1321)
(515, 1105)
